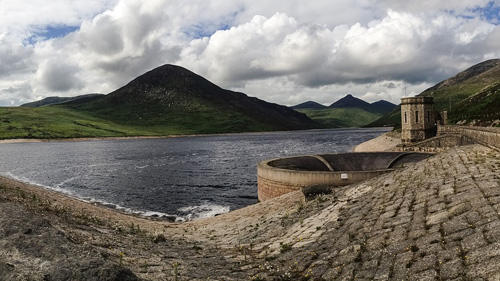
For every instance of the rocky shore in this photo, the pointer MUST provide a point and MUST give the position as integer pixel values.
(436, 219)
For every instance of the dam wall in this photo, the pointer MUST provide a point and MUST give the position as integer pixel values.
(487, 136)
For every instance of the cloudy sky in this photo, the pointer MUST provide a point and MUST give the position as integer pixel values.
(283, 51)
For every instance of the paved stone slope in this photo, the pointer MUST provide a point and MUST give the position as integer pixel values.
(434, 220)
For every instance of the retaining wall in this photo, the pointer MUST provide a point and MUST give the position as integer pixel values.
(280, 176)
(274, 182)
(487, 136)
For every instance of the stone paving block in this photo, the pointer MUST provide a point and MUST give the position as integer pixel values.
(385, 267)
(399, 247)
(486, 269)
(437, 218)
(424, 276)
(492, 235)
(423, 263)
(460, 209)
(454, 225)
(401, 265)
(487, 212)
(448, 254)
(451, 269)
(473, 217)
(347, 272)
(425, 241)
(446, 190)
(482, 254)
(398, 233)
(473, 241)
(415, 234)
(397, 221)
(436, 207)
(457, 237)
(376, 242)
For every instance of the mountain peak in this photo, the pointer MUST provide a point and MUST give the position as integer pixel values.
(174, 96)
(309, 105)
(349, 101)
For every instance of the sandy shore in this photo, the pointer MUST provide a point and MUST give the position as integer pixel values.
(386, 142)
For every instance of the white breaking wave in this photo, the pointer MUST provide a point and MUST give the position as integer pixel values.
(203, 211)
(28, 181)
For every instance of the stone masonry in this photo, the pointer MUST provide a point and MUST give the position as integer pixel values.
(434, 220)
(418, 120)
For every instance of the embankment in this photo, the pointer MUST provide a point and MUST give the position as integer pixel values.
(436, 219)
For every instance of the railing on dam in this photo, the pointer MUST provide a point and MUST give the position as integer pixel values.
(488, 136)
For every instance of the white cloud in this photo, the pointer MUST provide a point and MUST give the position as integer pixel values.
(56, 76)
(281, 51)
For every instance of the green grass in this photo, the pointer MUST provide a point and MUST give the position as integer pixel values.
(471, 95)
(341, 117)
(63, 122)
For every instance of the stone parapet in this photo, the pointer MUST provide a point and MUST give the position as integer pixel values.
(487, 136)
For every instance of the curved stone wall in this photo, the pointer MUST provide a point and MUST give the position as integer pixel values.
(280, 176)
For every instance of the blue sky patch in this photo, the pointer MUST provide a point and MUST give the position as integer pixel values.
(490, 12)
(200, 31)
(50, 32)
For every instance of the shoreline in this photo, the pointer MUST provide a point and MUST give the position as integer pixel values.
(34, 140)
(385, 142)
(74, 204)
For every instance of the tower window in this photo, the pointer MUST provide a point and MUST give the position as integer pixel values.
(416, 116)
(429, 116)
(406, 118)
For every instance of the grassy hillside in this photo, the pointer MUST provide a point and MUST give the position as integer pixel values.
(340, 117)
(55, 122)
(482, 108)
(62, 122)
(392, 119)
(470, 97)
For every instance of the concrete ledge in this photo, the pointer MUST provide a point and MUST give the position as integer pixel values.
(279, 176)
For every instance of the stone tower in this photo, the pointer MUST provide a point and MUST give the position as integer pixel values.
(418, 120)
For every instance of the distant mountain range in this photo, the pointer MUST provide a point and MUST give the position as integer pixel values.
(471, 97)
(349, 111)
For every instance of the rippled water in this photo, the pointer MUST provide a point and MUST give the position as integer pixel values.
(187, 177)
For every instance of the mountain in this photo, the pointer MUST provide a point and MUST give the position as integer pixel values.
(308, 105)
(59, 100)
(173, 98)
(168, 100)
(348, 112)
(350, 102)
(382, 106)
(470, 97)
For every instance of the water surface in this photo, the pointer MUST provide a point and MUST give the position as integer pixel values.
(187, 177)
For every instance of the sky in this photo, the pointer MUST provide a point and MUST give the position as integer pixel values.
(281, 51)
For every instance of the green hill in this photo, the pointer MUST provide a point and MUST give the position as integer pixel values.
(168, 100)
(349, 111)
(340, 117)
(60, 100)
(471, 97)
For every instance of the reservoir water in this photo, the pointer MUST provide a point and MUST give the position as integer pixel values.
(186, 177)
